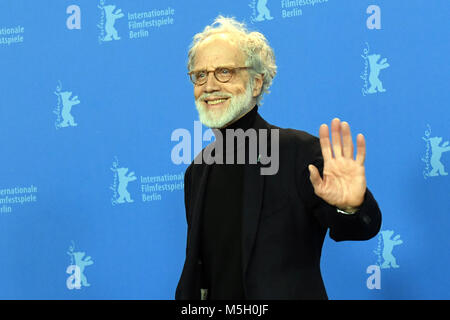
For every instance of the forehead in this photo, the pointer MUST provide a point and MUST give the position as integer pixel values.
(218, 50)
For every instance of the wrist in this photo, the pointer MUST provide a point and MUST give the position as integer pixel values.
(347, 210)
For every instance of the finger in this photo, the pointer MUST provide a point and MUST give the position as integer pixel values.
(336, 137)
(360, 149)
(325, 142)
(347, 141)
(314, 176)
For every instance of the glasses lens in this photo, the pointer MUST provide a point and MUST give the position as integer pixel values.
(223, 74)
(198, 77)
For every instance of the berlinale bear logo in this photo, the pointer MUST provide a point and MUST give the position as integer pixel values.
(68, 103)
(386, 258)
(120, 183)
(124, 178)
(64, 117)
(434, 161)
(261, 8)
(375, 68)
(388, 246)
(108, 18)
(78, 263)
(436, 153)
(371, 74)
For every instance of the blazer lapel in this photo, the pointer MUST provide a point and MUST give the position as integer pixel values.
(197, 208)
(252, 198)
(252, 201)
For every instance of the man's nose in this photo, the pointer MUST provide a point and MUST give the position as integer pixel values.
(211, 84)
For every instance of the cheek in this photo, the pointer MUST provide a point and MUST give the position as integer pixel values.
(197, 92)
(236, 88)
(240, 89)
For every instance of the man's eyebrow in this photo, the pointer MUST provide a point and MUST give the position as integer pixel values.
(222, 66)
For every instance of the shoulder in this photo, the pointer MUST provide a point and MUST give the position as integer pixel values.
(305, 145)
(299, 138)
(289, 137)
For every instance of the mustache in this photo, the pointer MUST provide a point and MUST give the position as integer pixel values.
(217, 95)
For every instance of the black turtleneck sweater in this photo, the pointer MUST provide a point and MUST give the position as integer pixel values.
(221, 224)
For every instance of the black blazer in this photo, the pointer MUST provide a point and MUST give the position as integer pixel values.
(283, 223)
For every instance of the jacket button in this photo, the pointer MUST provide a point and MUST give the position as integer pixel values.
(366, 219)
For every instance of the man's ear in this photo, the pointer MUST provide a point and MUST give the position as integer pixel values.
(257, 84)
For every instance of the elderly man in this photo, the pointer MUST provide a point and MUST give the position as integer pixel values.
(254, 236)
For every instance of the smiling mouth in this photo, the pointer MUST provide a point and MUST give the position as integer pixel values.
(216, 101)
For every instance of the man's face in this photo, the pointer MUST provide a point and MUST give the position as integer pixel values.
(221, 103)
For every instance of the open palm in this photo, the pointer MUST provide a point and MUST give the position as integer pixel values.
(344, 182)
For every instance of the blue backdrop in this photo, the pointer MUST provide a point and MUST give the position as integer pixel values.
(91, 202)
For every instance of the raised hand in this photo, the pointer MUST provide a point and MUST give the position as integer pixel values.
(344, 182)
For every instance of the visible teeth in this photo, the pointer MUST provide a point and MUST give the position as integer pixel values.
(216, 101)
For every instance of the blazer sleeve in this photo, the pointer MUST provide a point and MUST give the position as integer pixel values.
(362, 225)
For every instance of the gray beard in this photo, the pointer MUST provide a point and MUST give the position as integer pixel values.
(239, 105)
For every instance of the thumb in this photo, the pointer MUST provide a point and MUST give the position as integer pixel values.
(314, 176)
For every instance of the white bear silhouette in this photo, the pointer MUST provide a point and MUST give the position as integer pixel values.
(263, 11)
(82, 263)
(67, 107)
(111, 17)
(375, 67)
(436, 153)
(123, 183)
(389, 259)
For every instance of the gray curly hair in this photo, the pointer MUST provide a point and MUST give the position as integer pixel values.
(260, 56)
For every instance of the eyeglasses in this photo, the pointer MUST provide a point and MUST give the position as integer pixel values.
(222, 74)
